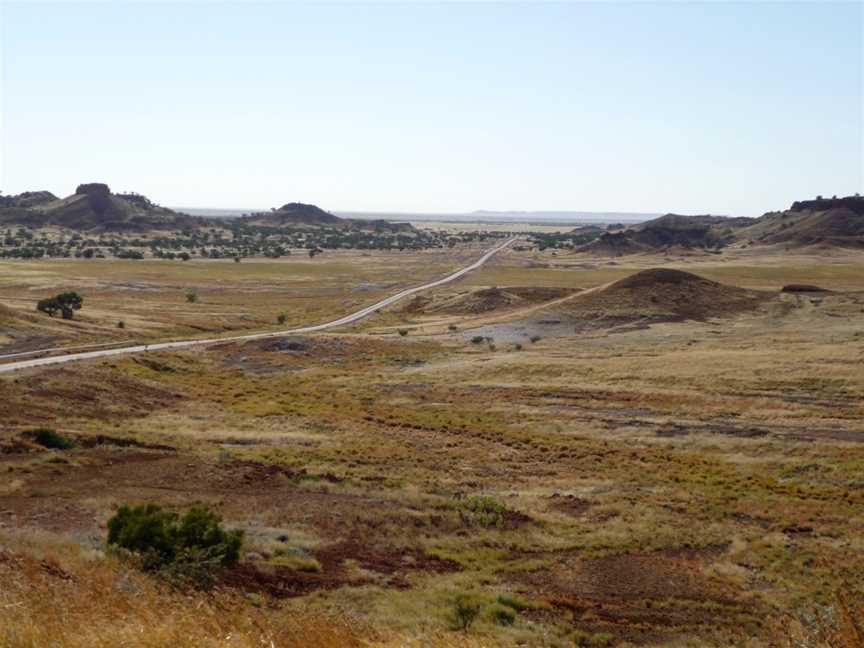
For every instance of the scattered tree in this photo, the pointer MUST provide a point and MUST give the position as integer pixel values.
(65, 303)
(191, 296)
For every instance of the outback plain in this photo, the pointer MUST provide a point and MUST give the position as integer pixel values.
(561, 448)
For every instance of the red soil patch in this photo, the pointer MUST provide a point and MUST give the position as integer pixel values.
(393, 564)
(639, 597)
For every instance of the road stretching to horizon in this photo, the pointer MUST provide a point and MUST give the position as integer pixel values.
(347, 319)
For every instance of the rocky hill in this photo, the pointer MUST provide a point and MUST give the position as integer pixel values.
(831, 222)
(27, 199)
(297, 214)
(669, 231)
(94, 207)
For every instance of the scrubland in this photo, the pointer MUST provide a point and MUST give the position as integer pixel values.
(614, 468)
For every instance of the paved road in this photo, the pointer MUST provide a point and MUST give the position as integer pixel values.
(348, 319)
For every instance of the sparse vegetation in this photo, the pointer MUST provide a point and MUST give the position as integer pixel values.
(571, 474)
(191, 296)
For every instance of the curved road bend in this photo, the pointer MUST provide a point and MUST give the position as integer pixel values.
(348, 319)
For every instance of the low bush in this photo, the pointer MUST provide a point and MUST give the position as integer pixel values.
(189, 548)
(403, 332)
(48, 438)
(477, 339)
(535, 338)
(466, 609)
(502, 615)
(482, 511)
(281, 318)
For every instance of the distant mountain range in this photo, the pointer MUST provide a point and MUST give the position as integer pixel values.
(837, 222)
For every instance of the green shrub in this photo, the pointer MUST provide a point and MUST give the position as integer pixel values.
(48, 438)
(483, 511)
(281, 318)
(189, 548)
(503, 615)
(403, 332)
(534, 339)
(452, 327)
(477, 339)
(466, 609)
(191, 296)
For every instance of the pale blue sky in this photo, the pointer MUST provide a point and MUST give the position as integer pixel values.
(656, 107)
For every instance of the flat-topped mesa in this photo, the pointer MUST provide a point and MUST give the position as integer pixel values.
(852, 203)
(98, 194)
(93, 189)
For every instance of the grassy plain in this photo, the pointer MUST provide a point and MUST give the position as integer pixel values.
(682, 483)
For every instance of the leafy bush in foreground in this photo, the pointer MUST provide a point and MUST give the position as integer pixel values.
(188, 548)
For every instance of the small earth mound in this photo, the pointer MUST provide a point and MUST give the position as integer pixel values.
(663, 294)
(486, 300)
(802, 288)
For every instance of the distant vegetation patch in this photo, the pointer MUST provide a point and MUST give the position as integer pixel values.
(48, 438)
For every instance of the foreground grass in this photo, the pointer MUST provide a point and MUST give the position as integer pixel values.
(55, 594)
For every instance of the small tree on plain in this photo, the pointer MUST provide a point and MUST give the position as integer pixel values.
(65, 303)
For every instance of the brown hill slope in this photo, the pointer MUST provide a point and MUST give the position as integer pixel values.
(833, 222)
(669, 231)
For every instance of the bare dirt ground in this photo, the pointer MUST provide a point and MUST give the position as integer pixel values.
(686, 480)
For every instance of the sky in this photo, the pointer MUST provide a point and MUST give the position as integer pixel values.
(686, 107)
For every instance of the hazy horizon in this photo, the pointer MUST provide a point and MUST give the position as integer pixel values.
(696, 108)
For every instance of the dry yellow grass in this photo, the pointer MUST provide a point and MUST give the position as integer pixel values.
(54, 596)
